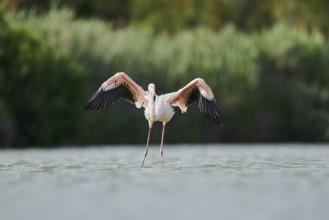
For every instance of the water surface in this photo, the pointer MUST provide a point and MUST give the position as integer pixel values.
(197, 182)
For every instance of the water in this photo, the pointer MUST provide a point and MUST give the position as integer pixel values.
(197, 182)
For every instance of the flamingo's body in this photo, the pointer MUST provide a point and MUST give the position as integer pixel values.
(157, 108)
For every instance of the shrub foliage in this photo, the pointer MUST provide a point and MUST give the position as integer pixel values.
(270, 85)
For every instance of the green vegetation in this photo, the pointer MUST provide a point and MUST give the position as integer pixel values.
(39, 102)
(176, 15)
(271, 85)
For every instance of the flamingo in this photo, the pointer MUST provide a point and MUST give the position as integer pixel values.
(157, 107)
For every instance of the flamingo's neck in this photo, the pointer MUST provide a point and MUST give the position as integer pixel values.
(152, 105)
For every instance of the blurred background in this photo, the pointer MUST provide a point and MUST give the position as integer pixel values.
(266, 61)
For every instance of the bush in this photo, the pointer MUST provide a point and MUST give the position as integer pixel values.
(41, 94)
(270, 85)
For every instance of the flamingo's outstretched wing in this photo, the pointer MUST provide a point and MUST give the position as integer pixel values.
(197, 90)
(119, 85)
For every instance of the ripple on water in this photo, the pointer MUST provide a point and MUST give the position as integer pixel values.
(95, 183)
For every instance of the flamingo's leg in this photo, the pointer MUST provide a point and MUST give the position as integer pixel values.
(147, 146)
(161, 146)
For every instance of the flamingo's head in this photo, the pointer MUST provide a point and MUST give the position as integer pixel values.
(151, 89)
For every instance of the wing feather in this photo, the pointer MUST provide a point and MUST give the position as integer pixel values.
(198, 90)
(118, 86)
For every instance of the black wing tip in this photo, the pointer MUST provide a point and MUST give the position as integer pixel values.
(89, 106)
(210, 110)
(217, 118)
(99, 99)
(219, 122)
(102, 98)
(220, 118)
